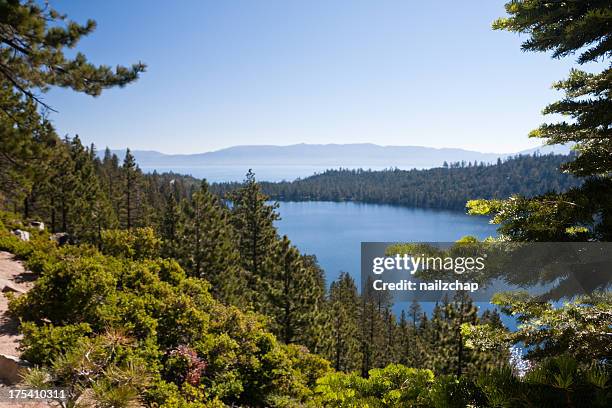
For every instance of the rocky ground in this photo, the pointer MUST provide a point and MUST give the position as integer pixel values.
(13, 278)
(16, 279)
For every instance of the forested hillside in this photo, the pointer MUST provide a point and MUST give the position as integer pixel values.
(126, 325)
(448, 187)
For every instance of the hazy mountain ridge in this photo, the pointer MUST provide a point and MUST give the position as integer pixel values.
(333, 155)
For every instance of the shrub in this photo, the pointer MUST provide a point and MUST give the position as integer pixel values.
(9, 220)
(392, 386)
(136, 244)
(449, 391)
(69, 291)
(44, 344)
(99, 369)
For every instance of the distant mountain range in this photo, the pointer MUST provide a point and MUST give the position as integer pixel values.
(332, 155)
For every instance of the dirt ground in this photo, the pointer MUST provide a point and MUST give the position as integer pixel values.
(14, 278)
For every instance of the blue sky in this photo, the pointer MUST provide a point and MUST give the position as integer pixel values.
(224, 73)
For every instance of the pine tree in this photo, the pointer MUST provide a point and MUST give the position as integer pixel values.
(342, 347)
(169, 226)
(253, 219)
(443, 337)
(91, 210)
(71, 197)
(390, 343)
(415, 312)
(132, 192)
(584, 213)
(28, 150)
(111, 180)
(32, 47)
(372, 320)
(434, 339)
(314, 333)
(410, 348)
(420, 347)
(407, 335)
(60, 189)
(207, 246)
(288, 288)
(458, 312)
(32, 44)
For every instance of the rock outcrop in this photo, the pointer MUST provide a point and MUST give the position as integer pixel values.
(21, 234)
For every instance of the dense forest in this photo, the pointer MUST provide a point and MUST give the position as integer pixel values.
(448, 187)
(155, 290)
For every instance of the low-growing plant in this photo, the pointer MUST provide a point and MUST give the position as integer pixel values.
(43, 344)
(136, 244)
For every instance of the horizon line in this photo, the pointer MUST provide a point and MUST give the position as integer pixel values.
(319, 144)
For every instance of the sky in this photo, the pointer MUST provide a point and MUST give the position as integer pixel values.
(243, 72)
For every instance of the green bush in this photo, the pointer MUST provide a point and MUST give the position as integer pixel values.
(9, 220)
(39, 242)
(392, 386)
(43, 344)
(136, 244)
(449, 391)
(69, 291)
(102, 369)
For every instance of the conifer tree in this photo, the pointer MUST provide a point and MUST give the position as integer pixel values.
(492, 318)
(446, 349)
(111, 179)
(294, 290)
(433, 333)
(390, 343)
(27, 149)
(59, 189)
(567, 28)
(342, 347)
(314, 333)
(253, 219)
(132, 192)
(373, 306)
(154, 202)
(407, 335)
(91, 210)
(169, 226)
(32, 44)
(71, 197)
(207, 246)
(415, 312)
(456, 313)
(410, 350)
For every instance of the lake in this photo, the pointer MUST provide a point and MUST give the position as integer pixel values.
(334, 231)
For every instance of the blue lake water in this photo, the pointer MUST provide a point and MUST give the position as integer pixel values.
(334, 231)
